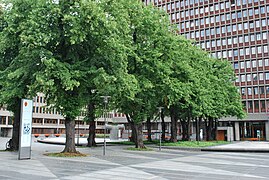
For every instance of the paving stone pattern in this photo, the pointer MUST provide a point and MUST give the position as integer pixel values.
(120, 163)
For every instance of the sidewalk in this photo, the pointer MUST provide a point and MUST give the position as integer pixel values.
(241, 146)
(82, 141)
(237, 146)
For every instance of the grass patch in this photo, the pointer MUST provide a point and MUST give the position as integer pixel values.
(138, 149)
(77, 154)
(195, 143)
(101, 135)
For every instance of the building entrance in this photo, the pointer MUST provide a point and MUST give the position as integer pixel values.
(252, 131)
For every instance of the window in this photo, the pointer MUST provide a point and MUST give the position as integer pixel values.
(267, 76)
(223, 29)
(248, 64)
(261, 76)
(261, 90)
(249, 77)
(251, 24)
(258, 36)
(233, 15)
(249, 91)
(239, 15)
(253, 50)
(240, 27)
(257, 23)
(260, 63)
(234, 27)
(256, 11)
(247, 51)
(264, 35)
(255, 90)
(235, 40)
(243, 78)
(263, 22)
(245, 13)
(241, 52)
(223, 17)
(223, 42)
(259, 49)
(245, 25)
(246, 38)
(235, 52)
(229, 41)
(255, 77)
(266, 62)
(217, 30)
(252, 37)
(243, 91)
(250, 12)
(242, 65)
(265, 49)
(254, 64)
(240, 39)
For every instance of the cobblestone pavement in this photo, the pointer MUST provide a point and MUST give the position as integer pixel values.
(120, 163)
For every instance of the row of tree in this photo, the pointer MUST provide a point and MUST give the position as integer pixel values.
(122, 48)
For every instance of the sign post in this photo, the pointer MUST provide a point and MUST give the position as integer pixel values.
(26, 129)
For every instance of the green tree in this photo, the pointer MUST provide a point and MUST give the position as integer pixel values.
(15, 69)
(147, 63)
(73, 47)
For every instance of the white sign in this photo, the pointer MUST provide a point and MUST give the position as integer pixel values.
(26, 129)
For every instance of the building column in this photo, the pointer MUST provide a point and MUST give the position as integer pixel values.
(267, 130)
(6, 120)
(230, 134)
(236, 130)
(43, 121)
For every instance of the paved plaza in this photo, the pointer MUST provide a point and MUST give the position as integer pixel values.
(120, 163)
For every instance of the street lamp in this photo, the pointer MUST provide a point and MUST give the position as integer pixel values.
(160, 134)
(105, 102)
(78, 132)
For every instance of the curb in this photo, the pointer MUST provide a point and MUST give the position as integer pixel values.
(236, 150)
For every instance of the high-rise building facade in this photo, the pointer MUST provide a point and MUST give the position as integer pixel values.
(236, 30)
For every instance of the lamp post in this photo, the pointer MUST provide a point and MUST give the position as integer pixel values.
(78, 133)
(105, 104)
(160, 134)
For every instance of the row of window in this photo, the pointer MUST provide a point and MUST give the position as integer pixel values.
(240, 52)
(44, 110)
(210, 20)
(223, 17)
(254, 90)
(251, 64)
(252, 77)
(212, 7)
(259, 106)
(246, 38)
(39, 99)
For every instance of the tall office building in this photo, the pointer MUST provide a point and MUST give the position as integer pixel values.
(236, 30)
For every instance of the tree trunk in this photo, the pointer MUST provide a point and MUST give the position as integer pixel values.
(134, 132)
(197, 129)
(163, 126)
(139, 136)
(14, 143)
(189, 128)
(149, 129)
(216, 129)
(91, 138)
(173, 124)
(92, 125)
(210, 129)
(184, 125)
(70, 146)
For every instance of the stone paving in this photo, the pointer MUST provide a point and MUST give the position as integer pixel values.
(120, 163)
